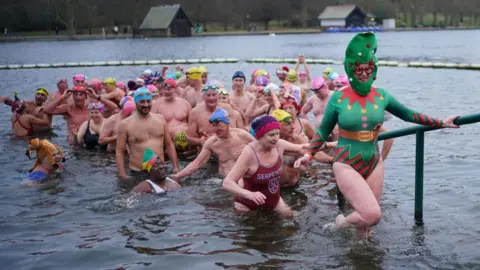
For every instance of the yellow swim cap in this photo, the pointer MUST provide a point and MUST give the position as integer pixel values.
(327, 71)
(292, 75)
(281, 115)
(109, 81)
(42, 91)
(180, 140)
(260, 72)
(194, 73)
(203, 69)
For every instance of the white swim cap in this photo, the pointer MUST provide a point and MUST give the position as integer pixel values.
(147, 72)
(272, 87)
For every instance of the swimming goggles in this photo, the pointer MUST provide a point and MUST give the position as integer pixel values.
(96, 106)
(211, 87)
(223, 91)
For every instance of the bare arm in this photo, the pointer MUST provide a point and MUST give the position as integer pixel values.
(81, 132)
(230, 183)
(198, 162)
(245, 136)
(253, 110)
(33, 120)
(120, 150)
(306, 108)
(387, 144)
(308, 128)
(293, 149)
(53, 108)
(106, 133)
(192, 130)
(170, 147)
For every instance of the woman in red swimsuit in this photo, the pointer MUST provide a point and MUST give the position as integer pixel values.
(22, 123)
(254, 178)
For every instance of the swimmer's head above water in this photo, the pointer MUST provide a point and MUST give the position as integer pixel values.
(127, 105)
(143, 100)
(266, 130)
(220, 121)
(154, 166)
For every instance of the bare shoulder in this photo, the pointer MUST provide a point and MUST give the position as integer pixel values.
(249, 95)
(243, 134)
(158, 118)
(184, 102)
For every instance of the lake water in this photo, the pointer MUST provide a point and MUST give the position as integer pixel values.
(87, 222)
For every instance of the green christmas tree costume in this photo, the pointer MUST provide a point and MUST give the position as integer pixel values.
(359, 110)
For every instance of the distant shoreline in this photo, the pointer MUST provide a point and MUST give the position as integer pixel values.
(216, 33)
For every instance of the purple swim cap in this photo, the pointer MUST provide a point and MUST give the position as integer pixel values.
(262, 81)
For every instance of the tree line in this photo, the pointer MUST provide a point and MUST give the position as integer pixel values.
(76, 16)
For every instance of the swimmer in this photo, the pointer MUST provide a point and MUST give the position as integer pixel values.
(62, 86)
(23, 123)
(226, 143)
(291, 88)
(155, 92)
(174, 109)
(140, 131)
(317, 102)
(157, 181)
(327, 71)
(237, 116)
(240, 98)
(97, 85)
(199, 127)
(340, 83)
(289, 176)
(330, 80)
(302, 126)
(113, 94)
(204, 72)
(79, 80)
(108, 134)
(87, 134)
(49, 159)
(268, 93)
(255, 177)
(193, 91)
(359, 112)
(304, 79)
(282, 74)
(77, 113)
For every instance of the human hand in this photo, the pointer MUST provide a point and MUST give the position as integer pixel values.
(301, 161)
(74, 129)
(449, 122)
(256, 197)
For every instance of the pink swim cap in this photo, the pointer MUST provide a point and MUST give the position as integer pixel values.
(95, 82)
(318, 83)
(261, 81)
(152, 88)
(121, 85)
(341, 80)
(79, 77)
(128, 105)
(302, 73)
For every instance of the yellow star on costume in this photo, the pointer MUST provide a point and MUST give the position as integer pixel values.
(364, 111)
(339, 101)
(382, 98)
(349, 107)
(375, 106)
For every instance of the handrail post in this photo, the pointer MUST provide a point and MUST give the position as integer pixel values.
(419, 162)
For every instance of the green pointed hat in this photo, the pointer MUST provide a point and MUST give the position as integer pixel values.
(149, 158)
(361, 50)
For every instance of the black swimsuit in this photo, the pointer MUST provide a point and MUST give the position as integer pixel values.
(91, 140)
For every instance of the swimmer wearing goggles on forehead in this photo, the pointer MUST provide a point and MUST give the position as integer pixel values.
(42, 91)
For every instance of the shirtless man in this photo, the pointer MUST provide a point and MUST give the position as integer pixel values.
(62, 86)
(140, 131)
(227, 144)
(199, 128)
(108, 134)
(239, 118)
(240, 98)
(175, 110)
(317, 102)
(76, 113)
(204, 72)
(193, 92)
(113, 94)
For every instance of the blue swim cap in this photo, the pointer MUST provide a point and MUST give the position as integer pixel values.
(220, 115)
(171, 76)
(142, 93)
(333, 75)
(238, 74)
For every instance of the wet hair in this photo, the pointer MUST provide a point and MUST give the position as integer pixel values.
(132, 85)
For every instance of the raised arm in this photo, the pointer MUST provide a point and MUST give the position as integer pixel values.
(54, 107)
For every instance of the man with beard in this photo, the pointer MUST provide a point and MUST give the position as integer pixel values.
(140, 131)
(226, 143)
(199, 127)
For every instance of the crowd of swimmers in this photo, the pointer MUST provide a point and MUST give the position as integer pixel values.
(258, 131)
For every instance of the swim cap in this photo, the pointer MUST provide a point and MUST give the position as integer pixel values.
(149, 158)
(79, 88)
(79, 77)
(318, 83)
(170, 76)
(142, 93)
(44, 149)
(261, 81)
(194, 73)
(255, 71)
(180, 140)
(140, 82)
(291, 100)
(153, 89)
(264, 124)
(220, 115)
(333, 75)
(62, 81)
(271, 87)
(42, 91)
(260, 72)
(203, 69)
(292, 75)
(96, 106)
(147, 72)
(170, 82)
(341, 80)
(282, 70)
(178, 74)
(302, 73)
(127, 105)
(281, 115)
(210, 86)
(95, 82)
(296, 93)
(327, 71)
(238, 74)
(109, 81)
(121, 85)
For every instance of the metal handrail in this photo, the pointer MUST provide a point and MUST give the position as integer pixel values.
(419, 155)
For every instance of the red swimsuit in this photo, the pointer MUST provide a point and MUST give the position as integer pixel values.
(265, 180)
(17, 120)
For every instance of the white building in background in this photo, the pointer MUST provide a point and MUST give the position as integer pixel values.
(389, 24)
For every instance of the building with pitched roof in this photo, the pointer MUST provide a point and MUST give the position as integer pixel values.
(166, 21)
(342, 16)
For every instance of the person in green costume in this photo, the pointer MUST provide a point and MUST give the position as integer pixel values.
(359, 112)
